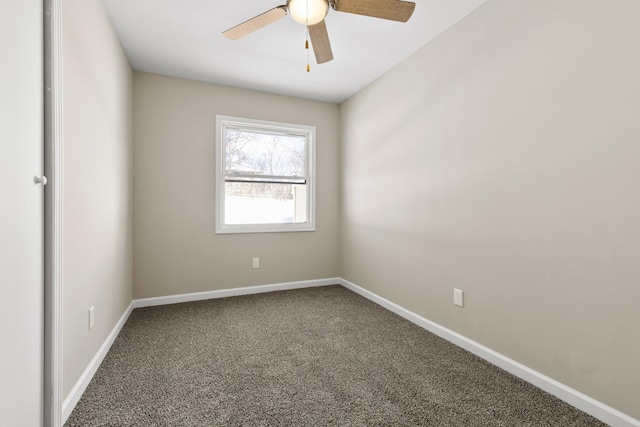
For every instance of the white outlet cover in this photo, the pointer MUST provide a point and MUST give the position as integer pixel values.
(256, 263)
(458, 297)
(91, 318)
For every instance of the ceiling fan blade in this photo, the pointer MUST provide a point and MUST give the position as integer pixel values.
(256, 23)
(394, 10)
(320, 42)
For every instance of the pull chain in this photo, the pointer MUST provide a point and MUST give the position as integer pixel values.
(306, 43)
(306, 46)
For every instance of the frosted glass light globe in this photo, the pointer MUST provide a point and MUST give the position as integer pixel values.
(317, 11)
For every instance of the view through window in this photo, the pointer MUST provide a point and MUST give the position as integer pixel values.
(264, 176)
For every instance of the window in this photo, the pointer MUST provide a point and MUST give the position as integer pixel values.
(264, 176)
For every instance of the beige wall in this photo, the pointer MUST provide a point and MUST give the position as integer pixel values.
(176, 249)
(503, 159)
(97, 193)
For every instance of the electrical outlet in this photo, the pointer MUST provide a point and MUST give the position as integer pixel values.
(92, 319)
(256, 263)
(458, 297)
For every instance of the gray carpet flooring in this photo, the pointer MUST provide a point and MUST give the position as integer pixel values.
(311, 357)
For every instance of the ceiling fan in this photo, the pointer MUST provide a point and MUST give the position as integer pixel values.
(312, 13)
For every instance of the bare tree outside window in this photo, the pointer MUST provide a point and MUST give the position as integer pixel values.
(249, 153)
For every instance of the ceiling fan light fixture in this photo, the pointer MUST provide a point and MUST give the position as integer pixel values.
(317, 10)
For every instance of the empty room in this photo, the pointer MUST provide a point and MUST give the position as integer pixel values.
(322, 212)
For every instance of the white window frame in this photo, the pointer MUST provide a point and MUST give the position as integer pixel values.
(309, 132)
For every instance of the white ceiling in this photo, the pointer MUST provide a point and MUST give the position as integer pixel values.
(182, 38)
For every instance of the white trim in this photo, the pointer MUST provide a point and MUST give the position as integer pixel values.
(573, 397)
(78, 389)
(225, 293)
(53, 73)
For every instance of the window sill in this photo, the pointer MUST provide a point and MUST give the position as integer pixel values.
(264, 228)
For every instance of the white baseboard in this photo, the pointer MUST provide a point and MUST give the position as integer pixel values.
(78, 389)
(573, 397)
(225, 293)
